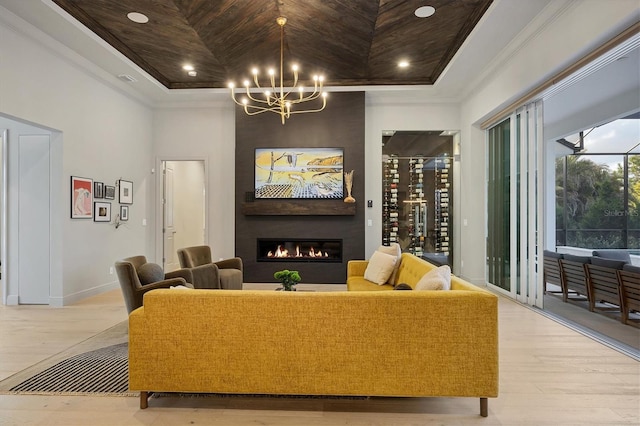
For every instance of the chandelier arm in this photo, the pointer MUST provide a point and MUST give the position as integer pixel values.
(324, 104)
(254, 99)
(253, 109)
(306, 99)
(233, 97)
(256, 81)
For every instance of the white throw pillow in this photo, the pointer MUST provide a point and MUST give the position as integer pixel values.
(394, 250)
(380, 267)
(436, 279)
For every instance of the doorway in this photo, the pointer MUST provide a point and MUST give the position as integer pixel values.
(30, 196)
(183, 222)
(417, 193)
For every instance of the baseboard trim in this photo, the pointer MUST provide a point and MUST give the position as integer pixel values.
(70, 299)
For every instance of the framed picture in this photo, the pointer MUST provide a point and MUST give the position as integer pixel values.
(126, 192)
(81, 197)
(299, 173)
(109, 192)
(101, 211)
(98, 190)
(124, 213)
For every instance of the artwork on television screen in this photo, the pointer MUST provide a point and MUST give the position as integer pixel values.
(299, 173)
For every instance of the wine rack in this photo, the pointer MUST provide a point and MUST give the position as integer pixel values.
(442, 205)
(416, 209)
(390, 212)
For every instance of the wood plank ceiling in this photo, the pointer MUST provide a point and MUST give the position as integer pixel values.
(351, 42)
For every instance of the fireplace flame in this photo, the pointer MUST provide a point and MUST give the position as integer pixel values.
(282, 252)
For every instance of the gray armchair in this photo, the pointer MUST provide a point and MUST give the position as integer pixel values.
(227, 274)
(137, 276)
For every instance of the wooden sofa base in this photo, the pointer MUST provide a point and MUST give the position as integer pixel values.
(144, 403)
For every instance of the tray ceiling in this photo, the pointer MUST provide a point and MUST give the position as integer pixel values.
(351, 42)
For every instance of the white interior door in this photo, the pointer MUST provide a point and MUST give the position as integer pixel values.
(3, 228)
(169, 257)
(34, 270)
(183, 208)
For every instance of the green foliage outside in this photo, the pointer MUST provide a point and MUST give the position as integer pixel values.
(595, 211)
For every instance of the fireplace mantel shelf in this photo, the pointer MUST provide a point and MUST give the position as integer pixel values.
(298, 208)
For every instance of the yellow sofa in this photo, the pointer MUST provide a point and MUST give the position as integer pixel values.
(410, 270)
(397, 343)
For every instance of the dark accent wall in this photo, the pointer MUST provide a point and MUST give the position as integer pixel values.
(341, 124)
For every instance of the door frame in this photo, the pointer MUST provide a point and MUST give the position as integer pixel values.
(3, 214)
(159, 219)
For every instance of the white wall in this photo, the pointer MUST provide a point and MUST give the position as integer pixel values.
(570, 35)
(104, 135)
(207, 134)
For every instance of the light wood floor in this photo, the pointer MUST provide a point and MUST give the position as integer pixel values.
(549, 375)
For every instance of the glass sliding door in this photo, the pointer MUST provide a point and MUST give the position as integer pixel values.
(514, 209)
(499, 199)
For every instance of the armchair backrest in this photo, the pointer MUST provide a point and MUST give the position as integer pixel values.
(190, 257)
(129, 281)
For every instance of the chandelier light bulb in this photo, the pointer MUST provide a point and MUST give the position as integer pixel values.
(294, 67)
(272, 71)
(255, 71)
(267, 93)
(246, 83)
(245, 101)
(231, 85)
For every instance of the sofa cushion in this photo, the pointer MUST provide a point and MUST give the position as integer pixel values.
(578, 259)
(553, 254)
(150, 273)
(394, 250)
(436, 279)
(607, 263)
(360, 284)
(631, 268)
(613, 254)
(380, 267)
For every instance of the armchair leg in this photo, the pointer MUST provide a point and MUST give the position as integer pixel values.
(484, 407)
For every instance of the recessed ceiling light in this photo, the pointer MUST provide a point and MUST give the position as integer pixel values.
(425, 11)
(403, 64)
(138, 17)
(188, 67)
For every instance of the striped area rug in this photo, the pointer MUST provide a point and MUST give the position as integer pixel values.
(101, 371)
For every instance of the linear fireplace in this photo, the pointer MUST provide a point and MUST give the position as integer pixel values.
(299, 250)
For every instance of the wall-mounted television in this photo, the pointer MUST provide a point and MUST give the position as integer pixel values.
(299, 173)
